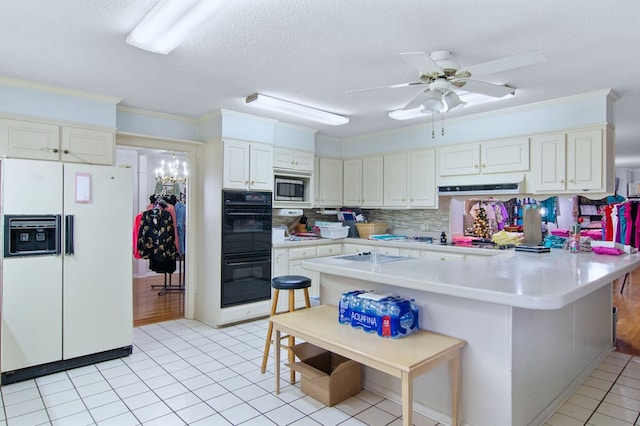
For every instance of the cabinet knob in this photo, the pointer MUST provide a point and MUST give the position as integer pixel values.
(412, 200)
(571, 181)
(246, 182)
(66, 151)
(484, 165)
(475, 166)
(55, 150)
(442, 258)
(561, 180)
(252, 182)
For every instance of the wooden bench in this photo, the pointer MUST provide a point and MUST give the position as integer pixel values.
(405, 358)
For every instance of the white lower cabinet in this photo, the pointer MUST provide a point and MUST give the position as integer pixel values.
(289, 262)
(444, 257)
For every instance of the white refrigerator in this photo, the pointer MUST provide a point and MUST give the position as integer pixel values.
(72, 307)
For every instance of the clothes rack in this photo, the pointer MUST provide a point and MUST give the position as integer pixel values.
(168, 286)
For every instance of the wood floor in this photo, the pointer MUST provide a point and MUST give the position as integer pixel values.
(149, 307)
(628, 305)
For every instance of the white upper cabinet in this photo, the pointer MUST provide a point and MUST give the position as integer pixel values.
(372, 181)
(500, 156)
(284, 158)
(352, 182)
(328, 178)
(247, 166)
(363, 182)
(573, 161)
(395, 180)
(422, 179)
(49, 141)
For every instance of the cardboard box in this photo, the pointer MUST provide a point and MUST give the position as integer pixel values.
(326, 377)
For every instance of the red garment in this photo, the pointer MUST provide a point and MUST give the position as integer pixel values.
(608, 223)
(136, 229)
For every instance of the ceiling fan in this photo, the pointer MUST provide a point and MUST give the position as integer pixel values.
(442, 74)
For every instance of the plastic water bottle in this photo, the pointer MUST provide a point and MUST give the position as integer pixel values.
(374, 257)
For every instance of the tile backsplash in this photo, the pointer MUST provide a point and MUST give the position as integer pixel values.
(414, 221)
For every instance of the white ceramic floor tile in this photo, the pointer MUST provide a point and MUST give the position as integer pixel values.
(93, 389)
(591, 392)
(60, 397)
(210, 391)
(21, 396)
(624, 402)
(617, 412)
(305, 421)
(55, 387)
(240, 413)
(25, 407)
(132, 389)
(51, 378)
(390, 407)
(250, 392)
(307, 405)
(234, 383)
(597, 383)
(601, 420)
(67, 409)
(195, 412)
(574, 411)
(262, 420)
(629, 382)
(29, 419)
(584, 401)
(181, 401)
(99, 399)
(124, 419)
(224, 402)
(559, 419)
(140, 400)
(605, 375)
(80, 419)
(187, 373)
(267, 403)
(353, 406)
(106, 411)
(215, 420)
(329, 416)
(153, 411)
(374, 416)
(626, 391)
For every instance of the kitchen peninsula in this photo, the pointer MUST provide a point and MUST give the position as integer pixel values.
(536, 325)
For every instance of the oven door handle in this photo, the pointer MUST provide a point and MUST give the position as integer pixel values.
(254, 213)
(247, 262)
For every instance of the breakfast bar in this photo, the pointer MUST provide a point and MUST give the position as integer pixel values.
(536, 325)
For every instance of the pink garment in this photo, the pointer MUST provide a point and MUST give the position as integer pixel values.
(629, 220)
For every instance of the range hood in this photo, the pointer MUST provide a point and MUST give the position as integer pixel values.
(484, 188)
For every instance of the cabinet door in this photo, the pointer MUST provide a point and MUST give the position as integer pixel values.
(372, 181)
(352, 182)
(26, 139)
(329, 188)
(584, 160)
(460, 160)
(282, 158)
(261, 169)
(422, 179)
(508, 155)
(279, 263)
(549, 160)
(84, 145)
(235, 170)
(303, 161)
(395, 180)
(444, 257)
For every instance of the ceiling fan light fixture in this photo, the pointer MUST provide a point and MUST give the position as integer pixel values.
(297, 110)
(453, 101)
(433, 101)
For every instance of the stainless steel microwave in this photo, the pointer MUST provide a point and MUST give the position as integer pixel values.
(288, 189)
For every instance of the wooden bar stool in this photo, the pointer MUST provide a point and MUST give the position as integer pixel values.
(291, 283)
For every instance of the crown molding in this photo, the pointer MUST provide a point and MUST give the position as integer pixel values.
(247, 116)
(14, 82)
(296, 127)
(163, 115)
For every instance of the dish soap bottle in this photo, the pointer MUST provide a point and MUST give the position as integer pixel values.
(443, 238)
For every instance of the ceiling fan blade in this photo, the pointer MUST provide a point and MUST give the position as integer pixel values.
(488, 89)
(422, 62)
(417, 100)
(507, 63)
(392, 86)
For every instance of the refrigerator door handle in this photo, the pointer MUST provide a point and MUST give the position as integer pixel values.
(68, 235)
(58, 235)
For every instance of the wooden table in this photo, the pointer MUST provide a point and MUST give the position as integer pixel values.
(405, 358)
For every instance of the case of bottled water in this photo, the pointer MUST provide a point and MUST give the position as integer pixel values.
(384, 314)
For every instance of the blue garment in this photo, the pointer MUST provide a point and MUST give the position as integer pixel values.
(550, 204)
(181, 218)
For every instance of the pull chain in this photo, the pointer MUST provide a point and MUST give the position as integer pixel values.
(433, 133)
(442, 122)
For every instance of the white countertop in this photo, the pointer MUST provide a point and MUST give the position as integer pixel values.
(527, 280)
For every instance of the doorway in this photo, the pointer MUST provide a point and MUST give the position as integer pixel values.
(158, 295)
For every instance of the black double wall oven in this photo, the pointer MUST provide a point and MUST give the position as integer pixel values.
(246, 247)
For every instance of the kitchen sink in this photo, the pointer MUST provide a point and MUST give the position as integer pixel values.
(366, 257)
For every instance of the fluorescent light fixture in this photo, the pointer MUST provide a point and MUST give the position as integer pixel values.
(408, 114)
(297, 110)
(169, 23)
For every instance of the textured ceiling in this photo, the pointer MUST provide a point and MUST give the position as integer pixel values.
(312, 51)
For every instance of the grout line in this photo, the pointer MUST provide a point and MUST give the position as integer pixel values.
(608, 390)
